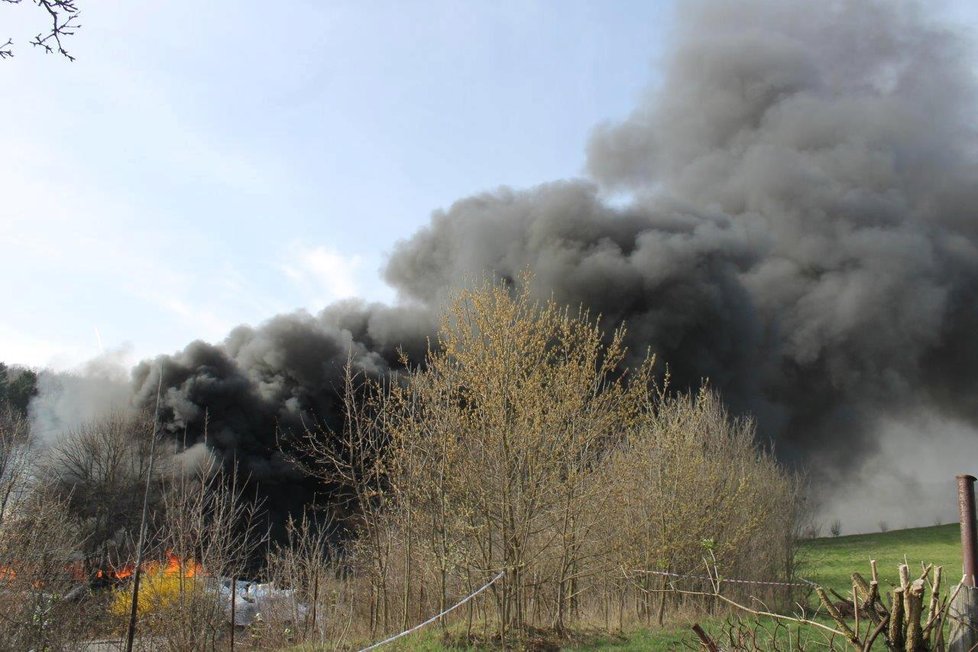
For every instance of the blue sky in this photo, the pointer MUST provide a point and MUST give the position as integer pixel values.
(203, 165)
(206, 164)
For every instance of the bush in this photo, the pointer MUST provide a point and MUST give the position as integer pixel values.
(523, 444)
(37, 578)
(208, 534)
(160, 595)
(706, 489)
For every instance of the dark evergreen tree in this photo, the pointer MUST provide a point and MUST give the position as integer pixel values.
(17, 387)
(21, 390)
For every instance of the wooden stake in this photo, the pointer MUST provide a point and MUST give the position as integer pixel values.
(915, 602)
(708, 642)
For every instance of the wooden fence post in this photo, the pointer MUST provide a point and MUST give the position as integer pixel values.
(963, 612)
(963, 635)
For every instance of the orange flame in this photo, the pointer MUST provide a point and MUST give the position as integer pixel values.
(173, 566)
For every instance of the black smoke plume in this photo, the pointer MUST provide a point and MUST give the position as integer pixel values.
(791, 214)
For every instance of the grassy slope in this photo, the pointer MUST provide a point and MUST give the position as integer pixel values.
(831, 561)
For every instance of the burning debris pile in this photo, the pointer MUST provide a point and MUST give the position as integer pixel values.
(173, 566)
(165, 585)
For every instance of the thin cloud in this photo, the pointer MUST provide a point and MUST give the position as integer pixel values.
(322, 275)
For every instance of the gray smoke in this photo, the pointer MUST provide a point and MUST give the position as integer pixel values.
(248, 396)
(66, 400)
(799, 227)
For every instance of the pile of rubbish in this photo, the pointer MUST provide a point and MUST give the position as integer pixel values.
(255, 601)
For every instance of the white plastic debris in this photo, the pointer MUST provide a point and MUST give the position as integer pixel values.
(254, 601)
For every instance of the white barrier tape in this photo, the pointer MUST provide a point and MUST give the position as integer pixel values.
(723, 580)
(435, 617)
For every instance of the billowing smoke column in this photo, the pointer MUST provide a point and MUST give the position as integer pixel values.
(794, 216)
(262, 386)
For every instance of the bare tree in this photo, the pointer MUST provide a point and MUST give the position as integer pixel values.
(38, 574)
(354, 463)
(705, 489)
(310, 569)
(63, 15)
(492, 446)
(99, 469)
(17, 456)
(208, 533)
(40, 577)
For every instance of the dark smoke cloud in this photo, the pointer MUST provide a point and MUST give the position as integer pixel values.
(263, 383)
(802, 223)
(800, 228)
(250, 394)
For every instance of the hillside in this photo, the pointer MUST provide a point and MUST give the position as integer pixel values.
(831, 560)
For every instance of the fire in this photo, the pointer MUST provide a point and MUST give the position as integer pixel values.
(173, 567)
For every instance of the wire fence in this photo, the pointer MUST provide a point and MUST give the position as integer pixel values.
(724, 580)
(501, 574)
(455, 606)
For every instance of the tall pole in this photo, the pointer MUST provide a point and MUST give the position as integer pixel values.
(234, 579)
(963, 610)
(234, 595)
(969, 539)
(131, 631)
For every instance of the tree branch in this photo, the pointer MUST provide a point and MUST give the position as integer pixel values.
(64, 16)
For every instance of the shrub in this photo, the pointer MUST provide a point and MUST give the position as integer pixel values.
(524, 444)
(689, 482)
(37, 578)
(161, 594)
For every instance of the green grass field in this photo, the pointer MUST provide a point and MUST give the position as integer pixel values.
(828, 561)
(831, 561)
